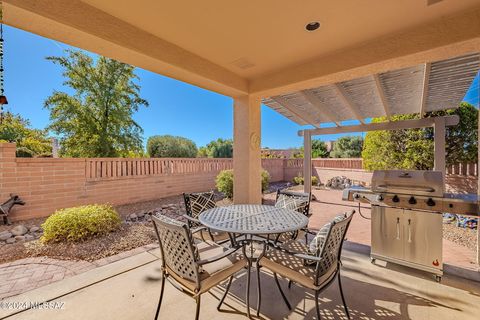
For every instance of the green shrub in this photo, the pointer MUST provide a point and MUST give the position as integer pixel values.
(171, 147)
(224, 182)
(23, 152)
(80, 223)
(299, 180)
(265, 180)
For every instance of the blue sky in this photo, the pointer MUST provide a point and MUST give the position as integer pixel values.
(176, 108)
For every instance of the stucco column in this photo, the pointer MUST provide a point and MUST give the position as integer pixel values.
(246, 150)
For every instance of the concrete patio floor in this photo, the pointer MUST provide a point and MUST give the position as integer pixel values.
(129, 289)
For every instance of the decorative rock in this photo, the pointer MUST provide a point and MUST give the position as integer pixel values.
(133, 217)
(140, 214)
(10, 241)
(20, 238)
(5, 235)
(34, 229)
(29, 237)
(19, 230)
(340, 182)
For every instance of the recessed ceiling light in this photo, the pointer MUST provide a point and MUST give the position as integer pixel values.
(312, 26)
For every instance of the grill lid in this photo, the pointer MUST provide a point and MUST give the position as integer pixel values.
(414, 182)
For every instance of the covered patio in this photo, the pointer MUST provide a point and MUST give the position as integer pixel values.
(393, 58)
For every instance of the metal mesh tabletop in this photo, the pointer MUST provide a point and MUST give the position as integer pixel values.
(253, 219)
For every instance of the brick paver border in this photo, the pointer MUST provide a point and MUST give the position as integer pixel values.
(23, 275)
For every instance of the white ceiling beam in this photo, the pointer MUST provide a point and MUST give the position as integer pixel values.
(343, 95)
(381, 94)
(314, 101)
(426, 79)
(287, 105)
(392, 125)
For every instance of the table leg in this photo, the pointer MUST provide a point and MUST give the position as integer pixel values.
(249, 269)
(250, 260)
(259, 289)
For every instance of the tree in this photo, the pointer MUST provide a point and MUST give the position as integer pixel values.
(347, 147)
(30, 142)
(171, 147)
(319, 149)
(220, 148)
(413, 148)
(96, 120)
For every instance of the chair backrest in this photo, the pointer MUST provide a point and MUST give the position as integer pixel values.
(179, 253)
(298, 201)
(332, 248)
(196, 203)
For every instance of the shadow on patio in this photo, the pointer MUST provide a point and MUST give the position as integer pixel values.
(372, 292)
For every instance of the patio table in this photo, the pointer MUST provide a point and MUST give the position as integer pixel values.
(253, 220)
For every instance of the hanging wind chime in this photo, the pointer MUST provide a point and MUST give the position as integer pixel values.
(3, 98)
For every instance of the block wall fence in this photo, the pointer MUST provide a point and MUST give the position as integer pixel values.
(48, 184)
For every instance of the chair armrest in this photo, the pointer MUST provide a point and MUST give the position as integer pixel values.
(306, 230)
(186, 216)
(308, 257)
(217, 257)
(277, 247)
(195, 230)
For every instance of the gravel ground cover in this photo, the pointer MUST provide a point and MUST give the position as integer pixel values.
(463, 236)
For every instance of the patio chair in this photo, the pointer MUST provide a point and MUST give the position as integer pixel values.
(195, 204)
(193, 268)
(313, 267)
(298, 201)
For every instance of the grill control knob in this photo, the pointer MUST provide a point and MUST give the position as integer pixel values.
(430, 202)
(395, 198)
(412, 200)
(356, 196)
(379, 198)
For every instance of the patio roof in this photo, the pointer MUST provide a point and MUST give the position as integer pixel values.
(422, 88)
(262, 50)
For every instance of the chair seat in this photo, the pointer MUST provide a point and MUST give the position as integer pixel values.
(294, 268)
(212, 274)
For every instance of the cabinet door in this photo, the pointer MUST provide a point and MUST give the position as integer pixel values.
(423, 238)
(387, 232)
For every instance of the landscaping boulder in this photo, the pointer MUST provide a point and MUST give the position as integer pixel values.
(5, 235)
(10, 240)
(20, 238)
(19, 230)
(340, 182)
(34, 229)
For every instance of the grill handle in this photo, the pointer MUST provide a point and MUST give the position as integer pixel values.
(398, 228)
(409, 231)
(387, 187)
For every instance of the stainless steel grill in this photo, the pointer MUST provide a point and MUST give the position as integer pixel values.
(406, 225)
